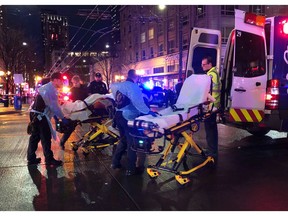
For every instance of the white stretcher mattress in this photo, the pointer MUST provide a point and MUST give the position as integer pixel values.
(78, 110)
(195, 90)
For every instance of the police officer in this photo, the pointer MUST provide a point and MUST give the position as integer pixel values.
(210, 123)
(44, 107)
(97, 85)
(129, 105)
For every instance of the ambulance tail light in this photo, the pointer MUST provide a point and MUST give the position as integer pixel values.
(254, 19)
(284, 28)
(272, 95)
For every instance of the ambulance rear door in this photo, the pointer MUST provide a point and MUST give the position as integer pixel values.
(249, 76)
(203, 42)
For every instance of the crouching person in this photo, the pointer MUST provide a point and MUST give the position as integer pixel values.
(129, 105)
(44, 107)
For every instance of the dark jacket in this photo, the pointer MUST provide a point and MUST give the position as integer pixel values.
(97, 87)
(79, 93)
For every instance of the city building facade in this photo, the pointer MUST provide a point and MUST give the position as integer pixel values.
(155, 42)
(55, 35)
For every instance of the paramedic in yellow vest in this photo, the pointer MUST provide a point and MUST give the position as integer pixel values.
(210, 123)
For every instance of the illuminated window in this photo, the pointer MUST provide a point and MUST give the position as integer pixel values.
(143, 37)
(200, 11)
(151, 33)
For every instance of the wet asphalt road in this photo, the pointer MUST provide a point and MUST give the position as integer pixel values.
(251, 174)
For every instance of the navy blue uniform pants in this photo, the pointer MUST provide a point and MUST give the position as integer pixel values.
(125, 145)
(41, 133)
(212, 134)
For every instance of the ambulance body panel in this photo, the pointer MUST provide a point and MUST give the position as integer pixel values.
(254, 72)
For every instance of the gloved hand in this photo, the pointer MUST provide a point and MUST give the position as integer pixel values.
(66, 121)
(152, 113)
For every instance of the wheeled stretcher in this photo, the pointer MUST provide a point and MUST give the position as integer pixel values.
(98, 111)
(174, 124)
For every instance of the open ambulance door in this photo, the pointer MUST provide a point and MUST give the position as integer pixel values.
(203, 42)
(244, 70)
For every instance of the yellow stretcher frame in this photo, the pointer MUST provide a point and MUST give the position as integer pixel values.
(178, 130)
(99, 127)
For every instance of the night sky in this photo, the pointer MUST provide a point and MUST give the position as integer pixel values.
(28, 18)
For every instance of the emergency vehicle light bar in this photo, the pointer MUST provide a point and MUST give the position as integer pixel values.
(254, 19)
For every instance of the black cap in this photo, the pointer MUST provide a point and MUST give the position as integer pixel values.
(98, 74)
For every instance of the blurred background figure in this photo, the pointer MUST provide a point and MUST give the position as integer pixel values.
(78, 92)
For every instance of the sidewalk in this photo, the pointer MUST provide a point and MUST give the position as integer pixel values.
(11, 109)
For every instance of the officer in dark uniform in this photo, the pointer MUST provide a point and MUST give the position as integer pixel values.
(97, 86)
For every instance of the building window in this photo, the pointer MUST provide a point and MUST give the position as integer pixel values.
(151, 52)
(160, 50)
(137, 56)
(160, 29)
(171, 25)
(143, 37)
(185, 44)
(158, 70)
(171, 68)
(258, 9)
(129, 29)
(185, 20)
(151, 33)
(228, 9)
(225, 31)
(171, 46)
(200, 11)
(143, 55)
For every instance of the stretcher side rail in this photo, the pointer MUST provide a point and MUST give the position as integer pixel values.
(147, 131)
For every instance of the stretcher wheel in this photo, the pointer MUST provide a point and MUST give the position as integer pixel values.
(182, 180)
(85, 151)
(153, 174)
(74, 146)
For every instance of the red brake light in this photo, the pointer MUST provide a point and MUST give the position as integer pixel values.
(65, 77)
(274, 83)
(272, 94)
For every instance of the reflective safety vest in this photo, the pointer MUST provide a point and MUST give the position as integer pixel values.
(216, 86)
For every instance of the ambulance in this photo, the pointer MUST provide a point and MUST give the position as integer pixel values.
(254, 71)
